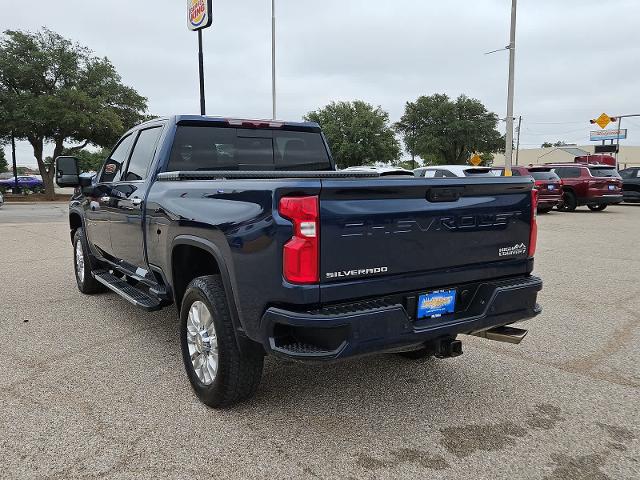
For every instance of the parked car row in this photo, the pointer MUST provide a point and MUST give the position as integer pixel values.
(25, 182)
(565, 186)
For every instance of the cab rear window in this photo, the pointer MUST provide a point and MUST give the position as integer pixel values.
(215, 148)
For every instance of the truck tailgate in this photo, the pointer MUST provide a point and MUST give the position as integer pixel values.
(393, 227)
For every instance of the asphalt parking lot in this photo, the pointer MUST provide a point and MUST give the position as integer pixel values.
(92, 387)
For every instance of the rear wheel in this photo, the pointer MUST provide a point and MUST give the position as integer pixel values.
(569, 202)
(220, 374)
(597, 208)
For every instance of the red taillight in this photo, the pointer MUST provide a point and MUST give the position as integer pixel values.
(533, 236)
(301, 253)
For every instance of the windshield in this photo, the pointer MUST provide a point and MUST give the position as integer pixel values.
(603, 172)
(214, 148)
(544, 175)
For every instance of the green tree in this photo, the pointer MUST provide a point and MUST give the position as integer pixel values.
(90, 161)
(358, 133)
(4, 165)
(447, 131)
(54, 90)
(559, 143)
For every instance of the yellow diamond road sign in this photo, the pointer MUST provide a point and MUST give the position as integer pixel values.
(476, 160)
(603, 120)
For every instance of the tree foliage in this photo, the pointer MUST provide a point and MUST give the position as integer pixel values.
(358, 133)
(54, 90)
(4, 165)
(559, 143)
(449, 131)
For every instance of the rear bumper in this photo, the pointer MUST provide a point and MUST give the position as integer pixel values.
(601, 200)
(381, 325)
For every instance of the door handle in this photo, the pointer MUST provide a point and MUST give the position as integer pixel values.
(136, 202)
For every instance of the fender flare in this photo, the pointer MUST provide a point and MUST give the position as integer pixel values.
(225, 274)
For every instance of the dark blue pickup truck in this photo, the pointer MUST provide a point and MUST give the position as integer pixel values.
(264, 248)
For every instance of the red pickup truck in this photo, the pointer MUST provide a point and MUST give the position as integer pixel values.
(596, 186)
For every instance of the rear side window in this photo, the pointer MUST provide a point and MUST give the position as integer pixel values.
(568, 172)
(543, 175)
(215, 148)
(142, 154)
(603, 172)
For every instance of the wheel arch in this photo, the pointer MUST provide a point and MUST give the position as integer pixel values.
(75, 222)
(202, 258)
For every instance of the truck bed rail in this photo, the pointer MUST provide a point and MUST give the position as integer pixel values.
(230, 174)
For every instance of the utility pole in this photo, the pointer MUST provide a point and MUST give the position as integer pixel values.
(273, 58)
(510, 92)
(518, 141)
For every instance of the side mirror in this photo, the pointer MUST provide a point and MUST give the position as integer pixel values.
(67, 172)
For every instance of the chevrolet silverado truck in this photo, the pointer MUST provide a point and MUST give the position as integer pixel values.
(264, 247)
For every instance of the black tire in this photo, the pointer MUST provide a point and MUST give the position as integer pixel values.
(543, 210)
(569, 202)
(417, 354)
(86, 283)
(597, 208)
(238, 373)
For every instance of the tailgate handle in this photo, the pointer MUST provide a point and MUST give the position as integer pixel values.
(445, 194)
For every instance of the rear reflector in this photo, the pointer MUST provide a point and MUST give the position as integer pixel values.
(300, 256)
(533, 236)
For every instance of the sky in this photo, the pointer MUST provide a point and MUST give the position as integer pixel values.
(575, 59)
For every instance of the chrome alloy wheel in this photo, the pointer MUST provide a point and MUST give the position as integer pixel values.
(202, 342)
(79, 261)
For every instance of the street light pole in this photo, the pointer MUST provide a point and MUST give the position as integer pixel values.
(510, 92)
(518, 140)
(273, 58)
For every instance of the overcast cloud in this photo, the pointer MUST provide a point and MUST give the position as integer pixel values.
(575, 58)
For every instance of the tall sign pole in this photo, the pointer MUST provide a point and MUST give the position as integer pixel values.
(199, 17)
(273, 58)
(512, 60)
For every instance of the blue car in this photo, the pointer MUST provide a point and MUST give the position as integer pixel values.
(30, 182)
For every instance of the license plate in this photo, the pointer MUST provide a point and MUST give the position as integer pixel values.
(612, 187)
(436, 304)
(551, 187)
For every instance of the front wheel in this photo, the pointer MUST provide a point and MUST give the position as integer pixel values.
(83, 265)
(220, 374)
(597, 208)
